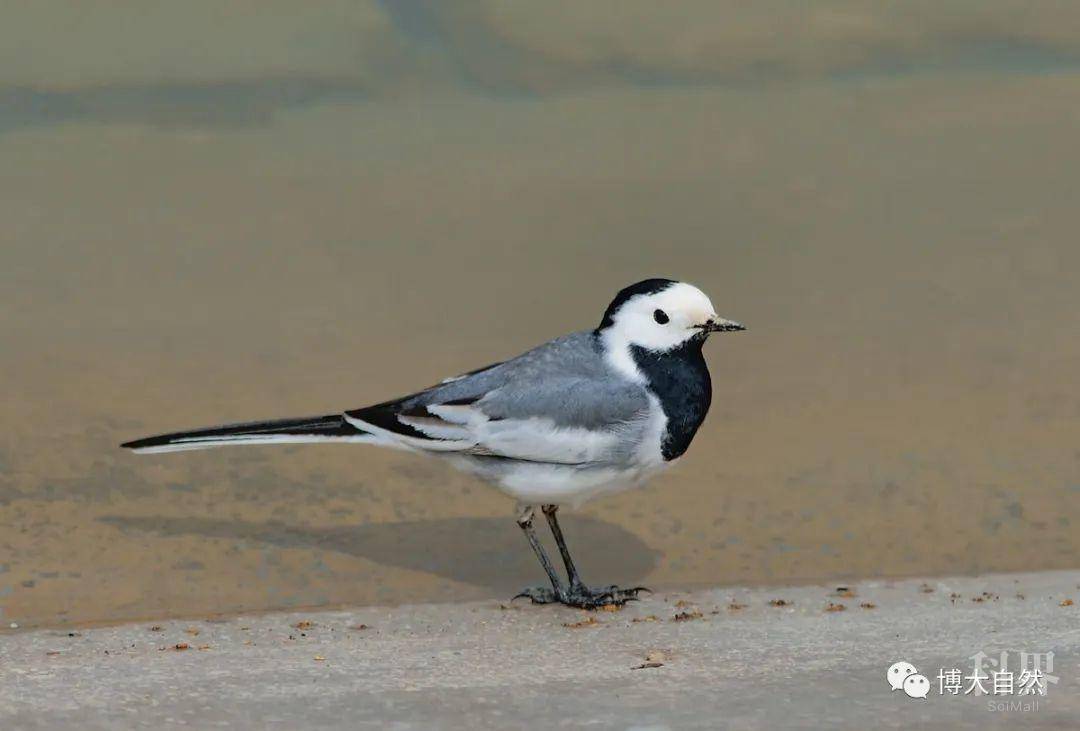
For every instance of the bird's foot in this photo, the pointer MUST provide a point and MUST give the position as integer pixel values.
(584, 597)
(581, 596)
(538, 595)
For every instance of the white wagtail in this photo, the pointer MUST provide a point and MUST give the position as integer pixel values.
(582, 415)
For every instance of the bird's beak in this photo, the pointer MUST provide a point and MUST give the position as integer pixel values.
(720, 325)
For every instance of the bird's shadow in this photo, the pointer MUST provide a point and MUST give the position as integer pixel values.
(487, 552)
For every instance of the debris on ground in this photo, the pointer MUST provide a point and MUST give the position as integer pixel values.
(654, 659)
(587, 622)
(687, 616)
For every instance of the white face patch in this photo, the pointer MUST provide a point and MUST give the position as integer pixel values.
(660, 321)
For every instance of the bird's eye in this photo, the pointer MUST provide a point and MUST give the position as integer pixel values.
(660, 316)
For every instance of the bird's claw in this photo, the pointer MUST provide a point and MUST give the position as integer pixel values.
(596, 598)
(582, 597)
(538, 595)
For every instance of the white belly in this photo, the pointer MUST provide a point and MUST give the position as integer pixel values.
(537, 483)
(559, 485)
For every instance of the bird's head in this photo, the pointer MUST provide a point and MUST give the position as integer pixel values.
(660, 315)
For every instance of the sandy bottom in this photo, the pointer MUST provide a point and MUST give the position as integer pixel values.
(904, 403)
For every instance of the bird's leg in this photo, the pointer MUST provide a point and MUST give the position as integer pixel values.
(539, 594)
(579, 595)
(556, 530)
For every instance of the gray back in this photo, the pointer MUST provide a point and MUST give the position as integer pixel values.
(565, 380)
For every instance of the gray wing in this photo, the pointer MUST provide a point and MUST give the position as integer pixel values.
(558, 403)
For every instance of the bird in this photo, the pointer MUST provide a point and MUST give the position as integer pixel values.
(583, 415)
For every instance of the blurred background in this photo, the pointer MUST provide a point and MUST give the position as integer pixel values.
(215, 212)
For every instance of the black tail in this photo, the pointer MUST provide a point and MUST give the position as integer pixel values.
(311, 429)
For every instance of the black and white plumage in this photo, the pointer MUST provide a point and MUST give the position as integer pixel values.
(579, 416)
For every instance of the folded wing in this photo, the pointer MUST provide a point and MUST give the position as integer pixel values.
(558, 404)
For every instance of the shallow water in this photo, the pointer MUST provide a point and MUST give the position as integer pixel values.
(372, 197)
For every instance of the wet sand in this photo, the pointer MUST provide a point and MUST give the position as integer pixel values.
(902, 246)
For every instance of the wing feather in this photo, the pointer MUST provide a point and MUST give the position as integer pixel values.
(558, 403)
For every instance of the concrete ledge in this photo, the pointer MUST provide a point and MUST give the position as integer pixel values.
(734, 658)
